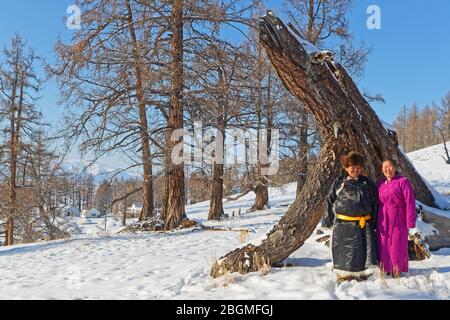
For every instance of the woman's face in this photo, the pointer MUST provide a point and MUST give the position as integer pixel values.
(354, 171)
(389, 170)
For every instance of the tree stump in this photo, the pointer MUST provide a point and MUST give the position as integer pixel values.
(347, 123)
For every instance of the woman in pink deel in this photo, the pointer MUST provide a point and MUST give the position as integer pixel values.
(396, 214)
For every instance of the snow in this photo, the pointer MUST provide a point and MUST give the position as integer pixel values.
(425, 229)
(308, 46)
(108, 265)
(388, 126)
(442, 198)
(430, 164)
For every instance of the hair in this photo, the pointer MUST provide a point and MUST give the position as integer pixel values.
(393, 162)
(353, 159)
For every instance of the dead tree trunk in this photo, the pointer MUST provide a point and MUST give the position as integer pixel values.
(302, 164)
(347, 122)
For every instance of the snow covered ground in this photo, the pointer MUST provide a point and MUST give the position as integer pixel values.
(176, 265)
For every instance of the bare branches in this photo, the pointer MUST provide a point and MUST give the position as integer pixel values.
(447, 158)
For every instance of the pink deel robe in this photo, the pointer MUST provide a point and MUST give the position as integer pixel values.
(397, 213)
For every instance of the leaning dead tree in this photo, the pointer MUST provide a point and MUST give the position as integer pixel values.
(347, 123)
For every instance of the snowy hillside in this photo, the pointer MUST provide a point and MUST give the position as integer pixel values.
(176, 265)
(432, 166)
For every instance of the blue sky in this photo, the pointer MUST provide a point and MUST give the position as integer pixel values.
(40, 23)
(410, 61)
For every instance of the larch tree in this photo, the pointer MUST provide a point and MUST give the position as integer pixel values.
(175, 202)
(262, 89)
(43, 171)
(444, 116)
(191, 25)
(108, 71)
(412, 125)
(218, 99)
(19, 86)
(400, 125)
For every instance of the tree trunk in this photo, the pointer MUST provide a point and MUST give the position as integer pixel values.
(216, 206)
(347, 122)
(15, 128)
(262, 186)
(175, 214)
(9, 235)
(167, 163)
(262, 195)
(302, 165)
(147, 190)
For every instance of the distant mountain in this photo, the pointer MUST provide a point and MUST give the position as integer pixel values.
(99, 170)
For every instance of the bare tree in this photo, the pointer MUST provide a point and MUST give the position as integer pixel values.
(219, 95)
(174, 209)
(19, 86)
(137, 51)
(444, 116)
(43, 172)
(447, 155)
(107, 69)
(104, 197)
(400, 125)
(194, 25)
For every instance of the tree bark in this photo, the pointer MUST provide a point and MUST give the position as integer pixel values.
(216, 205)
(347, 123)
(302, 165)
(147, 190)
(175, 213)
